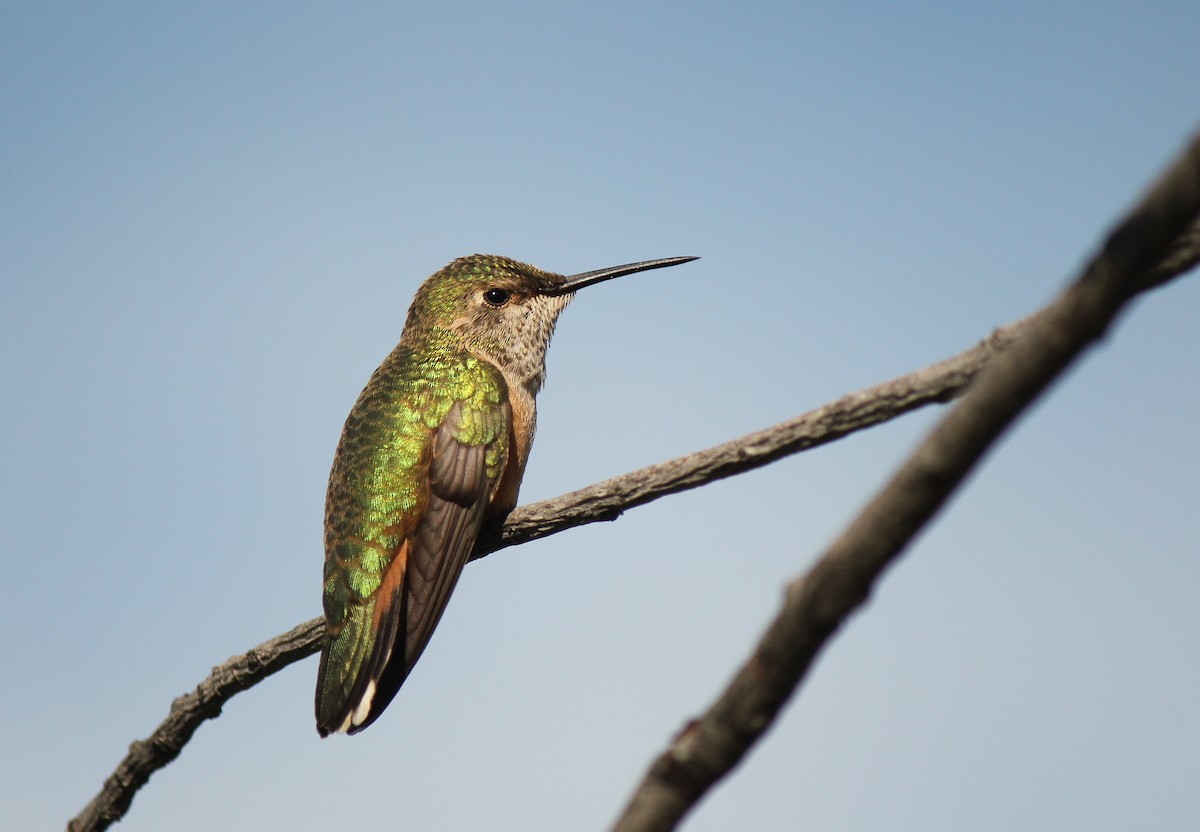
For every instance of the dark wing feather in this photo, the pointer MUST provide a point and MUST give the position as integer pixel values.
(438, 548)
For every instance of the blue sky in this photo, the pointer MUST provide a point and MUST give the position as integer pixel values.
(214, 218)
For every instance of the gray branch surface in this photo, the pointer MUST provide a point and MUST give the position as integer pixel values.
(816, 604)
(710, 747)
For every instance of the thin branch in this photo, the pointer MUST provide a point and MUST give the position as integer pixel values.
(187, 713)
(816, 604)
(606, 500)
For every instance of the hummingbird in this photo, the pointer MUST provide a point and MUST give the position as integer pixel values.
(434, 449)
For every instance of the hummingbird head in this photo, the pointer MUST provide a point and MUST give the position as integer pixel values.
(504, 311)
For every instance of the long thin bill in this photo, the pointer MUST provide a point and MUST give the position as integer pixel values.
(578, 281)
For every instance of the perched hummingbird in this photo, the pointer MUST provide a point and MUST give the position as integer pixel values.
(435, 447)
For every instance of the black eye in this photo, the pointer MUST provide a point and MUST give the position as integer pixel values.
(496, 297)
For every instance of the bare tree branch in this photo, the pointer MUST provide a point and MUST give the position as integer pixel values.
(606, 500)
(816, 604)
(187, 713)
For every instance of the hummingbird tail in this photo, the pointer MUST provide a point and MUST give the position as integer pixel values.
(357, 655)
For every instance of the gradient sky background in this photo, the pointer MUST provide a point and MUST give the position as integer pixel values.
(215, 216)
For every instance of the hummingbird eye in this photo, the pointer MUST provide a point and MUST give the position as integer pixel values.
(496, 297)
